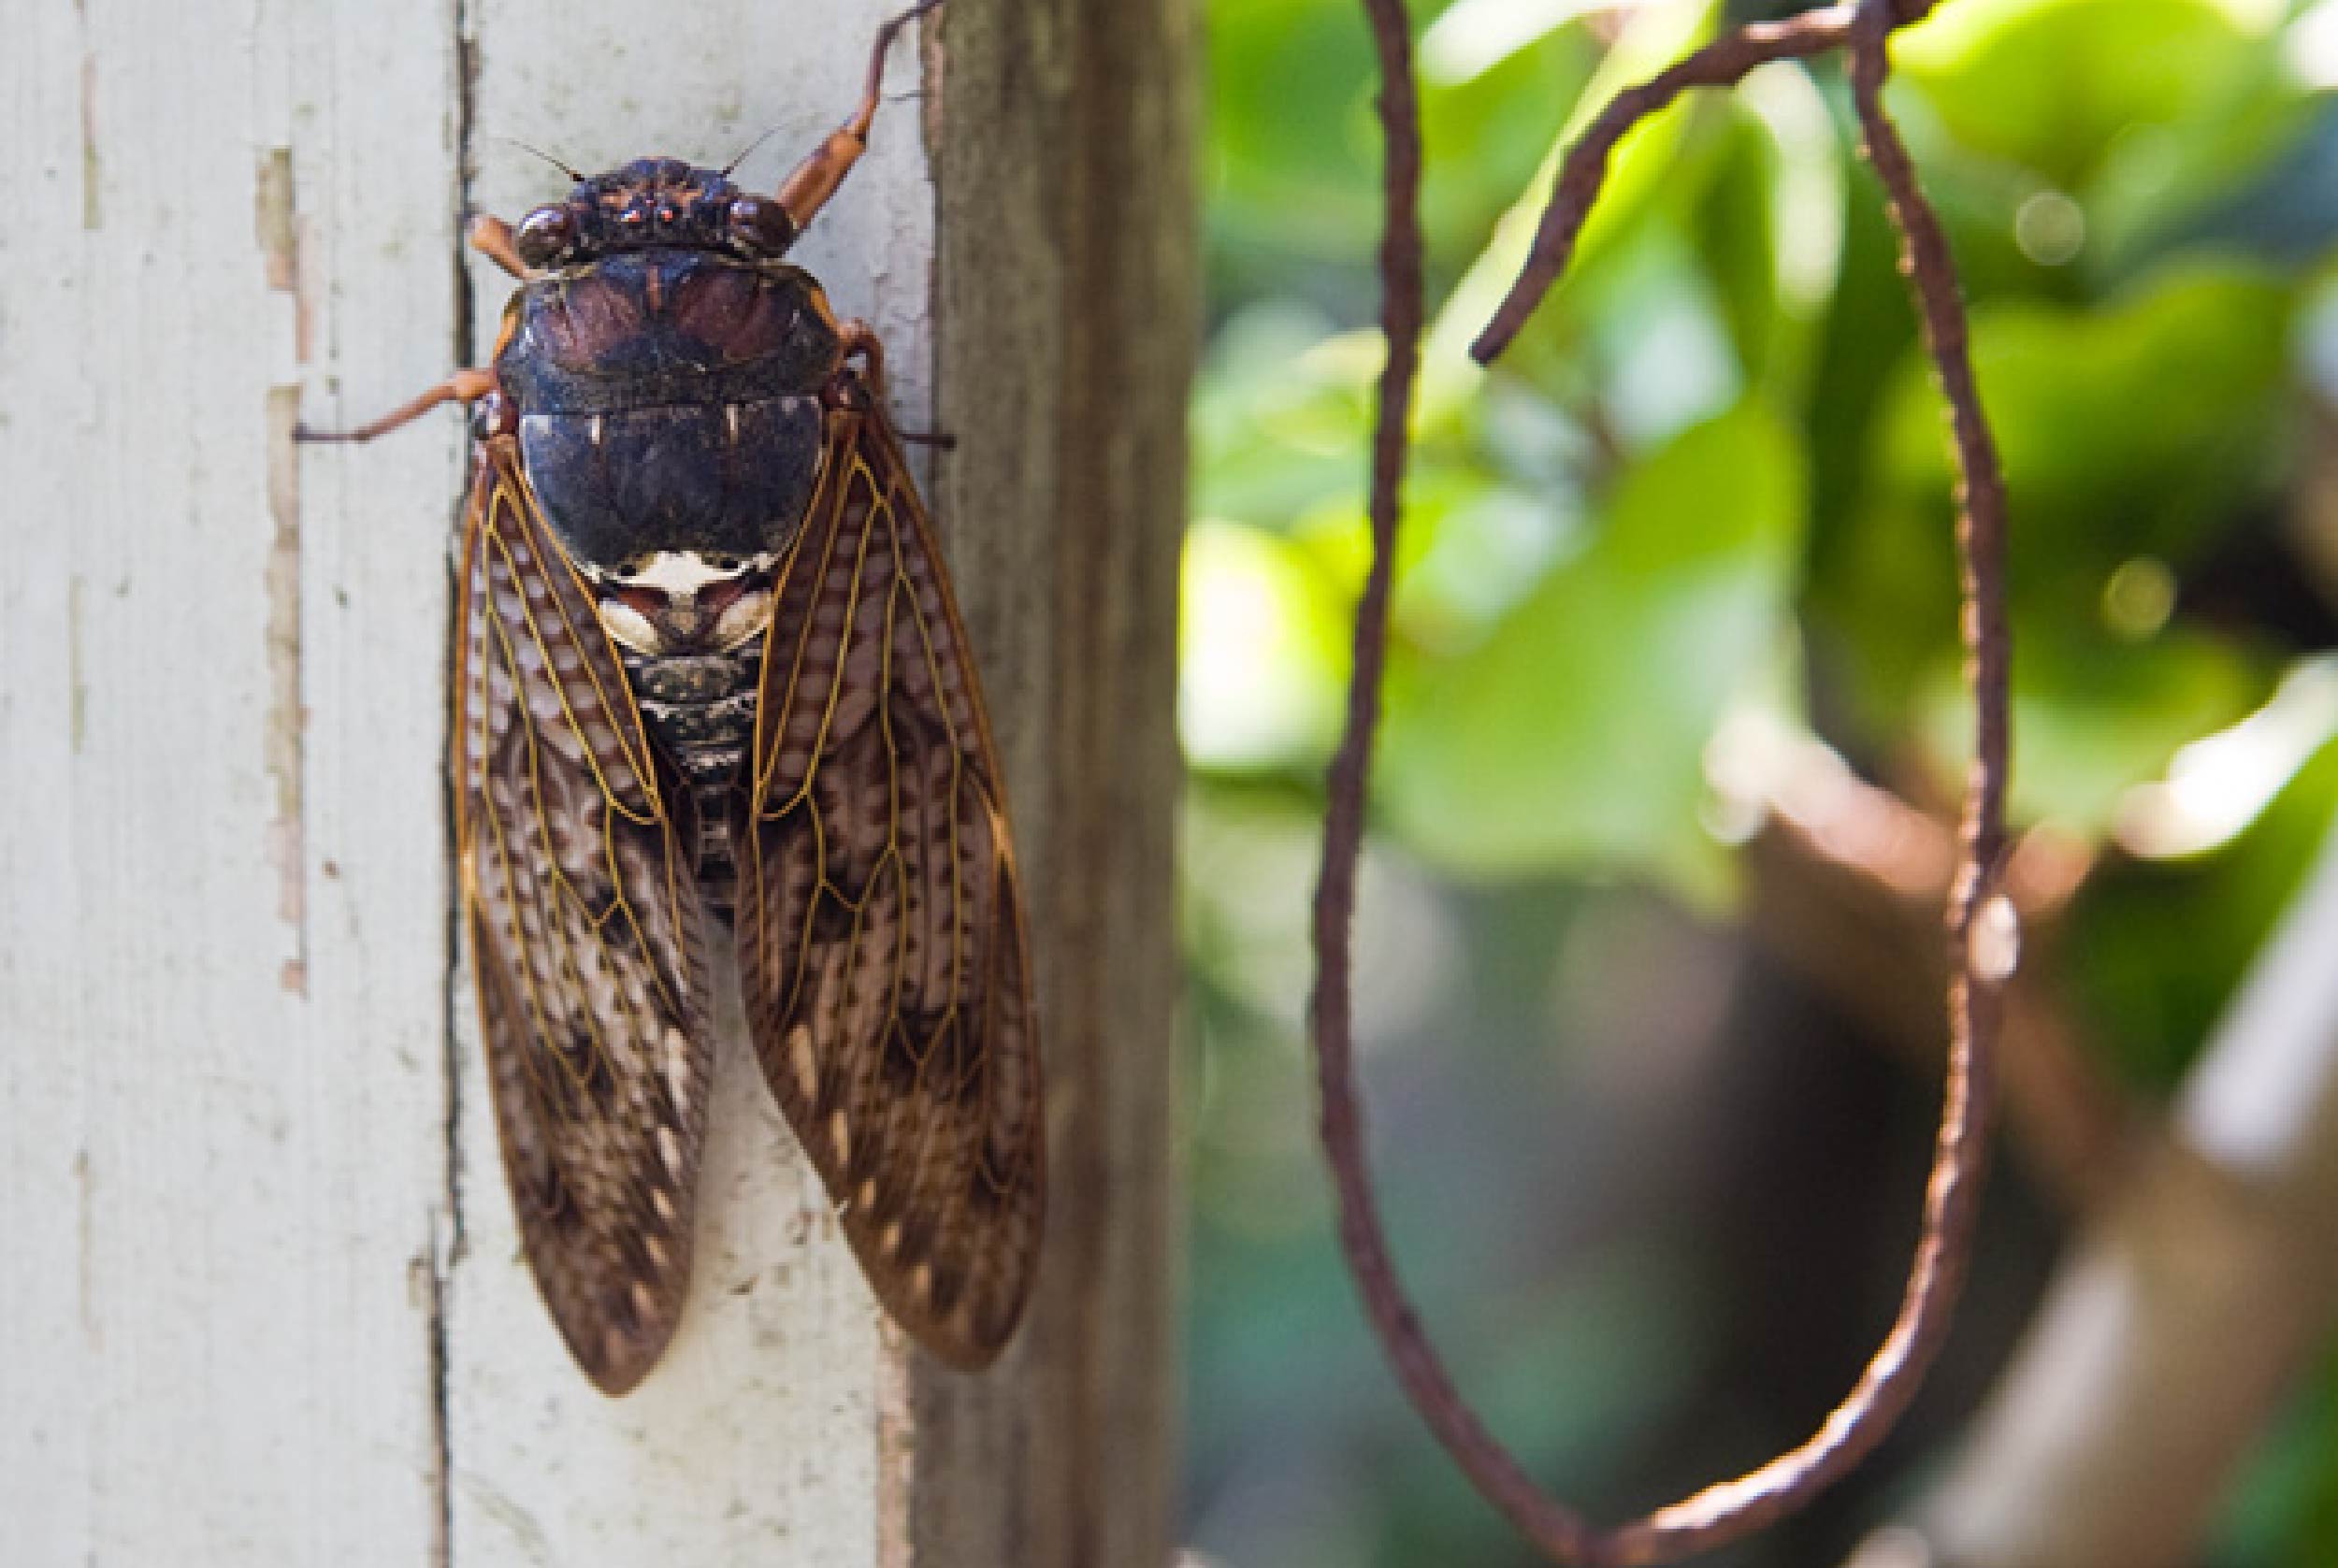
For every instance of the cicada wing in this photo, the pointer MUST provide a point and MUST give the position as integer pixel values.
(585, 932)
(881, 933)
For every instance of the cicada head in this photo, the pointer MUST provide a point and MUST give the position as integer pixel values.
(654, 204)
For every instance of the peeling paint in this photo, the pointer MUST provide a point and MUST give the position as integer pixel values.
(93, 164)
(897, 1450)
(283, 234)
(272, 217)
(304, 334)
(287, 720)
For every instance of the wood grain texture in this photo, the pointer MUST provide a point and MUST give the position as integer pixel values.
(266, 1303)
(1068, 308)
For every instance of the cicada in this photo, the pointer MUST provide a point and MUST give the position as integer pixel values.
(710, 684)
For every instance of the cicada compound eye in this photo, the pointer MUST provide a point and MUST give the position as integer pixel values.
(546, 235)
(760, 226)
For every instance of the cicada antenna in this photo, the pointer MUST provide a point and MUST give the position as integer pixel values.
(748, 151)
(814, 179)
(540, 153)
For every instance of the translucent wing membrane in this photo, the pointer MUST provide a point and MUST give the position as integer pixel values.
(585, 931)
(880, 921)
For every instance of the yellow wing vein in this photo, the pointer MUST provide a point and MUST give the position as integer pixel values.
(552, 679)
(625, 717)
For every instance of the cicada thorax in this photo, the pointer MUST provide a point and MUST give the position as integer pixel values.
(668, 406)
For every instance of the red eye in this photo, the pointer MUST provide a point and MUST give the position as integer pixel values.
(545, 236)
(759, 227)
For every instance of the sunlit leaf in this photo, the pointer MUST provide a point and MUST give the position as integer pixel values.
(1259, 655)
(2124, 431)
(2052, 84)
(2157, 946)
(2138, 430)
(2096, 717)
(1574, 735)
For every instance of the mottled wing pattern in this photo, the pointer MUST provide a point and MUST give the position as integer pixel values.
(880, 922)
(585, 932)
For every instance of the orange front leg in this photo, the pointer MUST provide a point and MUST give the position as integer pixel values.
(814, 179)
(490, 236)
(465, 386)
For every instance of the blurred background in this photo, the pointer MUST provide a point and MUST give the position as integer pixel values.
(1649, 961)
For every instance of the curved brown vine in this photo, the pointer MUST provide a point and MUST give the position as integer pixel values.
(1730, 1509)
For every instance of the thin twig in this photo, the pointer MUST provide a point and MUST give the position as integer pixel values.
(1362, 1235)
(1723, 62)
(1735, 1508)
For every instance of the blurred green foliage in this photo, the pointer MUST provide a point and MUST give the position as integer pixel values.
(1712, 484)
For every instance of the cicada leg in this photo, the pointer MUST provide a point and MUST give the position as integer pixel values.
(816, 180)
(857, 339)
(465, 386)
(490, 236)
(864, 387)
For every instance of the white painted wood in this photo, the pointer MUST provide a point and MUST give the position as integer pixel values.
(224, 979)
(263, 1304)
(222, 904)
(755, 1441)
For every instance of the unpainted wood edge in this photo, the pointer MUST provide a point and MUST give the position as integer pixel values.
(1066, 304)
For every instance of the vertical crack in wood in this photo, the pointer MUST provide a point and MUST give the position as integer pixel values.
(462, 27)
(93, 160)
(442, 1477)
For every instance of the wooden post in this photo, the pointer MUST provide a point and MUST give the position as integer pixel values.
(267, 1306)
(1069, 309)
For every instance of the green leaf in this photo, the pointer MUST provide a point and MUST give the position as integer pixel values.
(1260, 654)
(2284, 1509)
(2124, 431)
(2094, 717)
(1574, 735)
(2147, 428)
(2053, 84)
(2157, 947)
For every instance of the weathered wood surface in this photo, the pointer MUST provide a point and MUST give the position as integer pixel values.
(223, 899)
(266, 1303)
(1069, 306)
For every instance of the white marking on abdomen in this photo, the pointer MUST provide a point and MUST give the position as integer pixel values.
(629, 626)
(679, 573)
